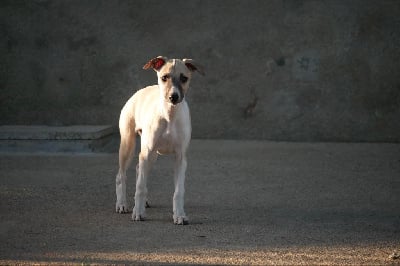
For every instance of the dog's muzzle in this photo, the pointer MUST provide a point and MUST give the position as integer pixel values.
(175, 98)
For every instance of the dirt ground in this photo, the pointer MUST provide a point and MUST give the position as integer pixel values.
(249, 202)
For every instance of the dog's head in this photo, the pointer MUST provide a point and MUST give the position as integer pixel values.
(174, 76)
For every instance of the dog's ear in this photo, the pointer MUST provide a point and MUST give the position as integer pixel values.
(156, 63)
(193, 66)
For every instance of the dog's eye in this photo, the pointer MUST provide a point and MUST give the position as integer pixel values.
(164, 78)
(184, 79)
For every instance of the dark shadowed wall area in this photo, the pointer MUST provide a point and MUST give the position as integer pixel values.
(276, 70)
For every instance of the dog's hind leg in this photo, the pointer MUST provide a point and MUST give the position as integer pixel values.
(126, 152)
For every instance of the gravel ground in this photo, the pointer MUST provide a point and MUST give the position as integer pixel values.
(249, 202)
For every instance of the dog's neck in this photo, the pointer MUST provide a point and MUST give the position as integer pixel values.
(168, 111)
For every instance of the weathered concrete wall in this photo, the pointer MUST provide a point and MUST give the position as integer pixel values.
(320, 70)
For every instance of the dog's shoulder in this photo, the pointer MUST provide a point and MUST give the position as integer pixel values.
(147, 91)
(147, 95)
(152, 88)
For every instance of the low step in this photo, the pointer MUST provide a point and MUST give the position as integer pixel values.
(77, 138)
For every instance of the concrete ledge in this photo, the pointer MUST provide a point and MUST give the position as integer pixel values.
(78, 138)
(78, 132)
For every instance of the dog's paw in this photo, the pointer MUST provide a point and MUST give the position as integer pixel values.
(121, 208)
(181, 220)
(137, 217)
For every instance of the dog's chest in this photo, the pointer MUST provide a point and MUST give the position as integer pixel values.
(167, 141)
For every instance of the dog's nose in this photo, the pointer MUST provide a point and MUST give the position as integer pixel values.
(174, 97)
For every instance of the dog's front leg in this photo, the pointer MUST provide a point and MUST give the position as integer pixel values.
(178, 201)
(146, 158)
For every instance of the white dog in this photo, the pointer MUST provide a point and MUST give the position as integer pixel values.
(161, 116)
